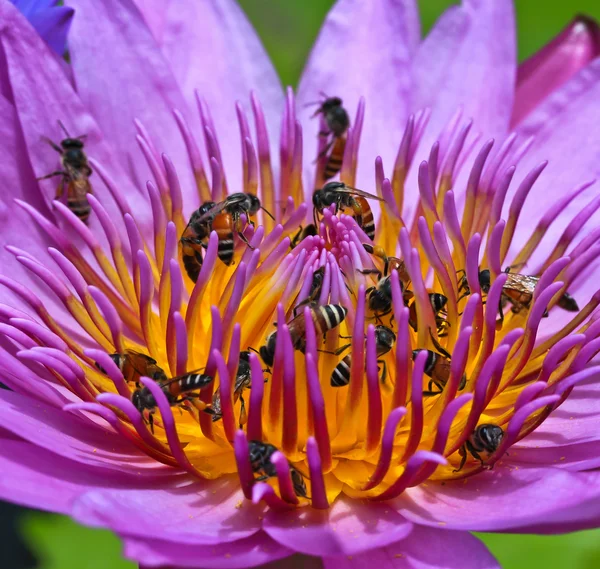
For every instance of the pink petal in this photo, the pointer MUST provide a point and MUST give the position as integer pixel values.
(73, 437)
(470, 57)
(35, 477)
(505, 499)
(130, 80)
(258, 550)
(570, 51)
(154, 12)
(212, 47)
(468, 62)
(42, 95)
(339, 530)
(18, 182)
(196, 512)
(364, 49)
(564, 135)
(424, 548)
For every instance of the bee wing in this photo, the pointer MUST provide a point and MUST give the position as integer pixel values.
(213, 211)
(521, 283)
(357, 192)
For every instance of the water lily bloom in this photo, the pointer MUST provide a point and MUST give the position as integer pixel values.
(438, 380)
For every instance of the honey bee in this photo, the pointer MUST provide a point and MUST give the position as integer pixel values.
(242, 381)
(485, 438)
(75, 183)
(134, 365)
(315, 290)
(260, 459)
(346, 197)
(384, 342)
(224, 218)
(518, 291)
(389, 264)
(337, 121)
(438, 304)
(194, 239)
(177, 390)
(437, 367)
(303, 233)
(380, 296)
(324, 318)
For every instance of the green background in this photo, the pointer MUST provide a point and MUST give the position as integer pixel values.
(288, 28)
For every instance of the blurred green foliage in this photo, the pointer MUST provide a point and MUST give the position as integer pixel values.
(288, 29)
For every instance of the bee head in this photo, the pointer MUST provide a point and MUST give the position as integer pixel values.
(485, 280)
(253, 203)
(331, 103)
(385, 287)
(143, 399)
(69, 143)
(267, 352)
(384, 338)
(491, 436)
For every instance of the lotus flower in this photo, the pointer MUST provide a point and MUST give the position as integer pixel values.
(492, 427)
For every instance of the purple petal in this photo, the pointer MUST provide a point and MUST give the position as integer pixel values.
(35, 477)
(33, 69)
(564, 136)
(470, 57)
(569, 52)
(154, 12)
(254, 551)
(424, 548)
(348, 61)
(53, 25)
(17, 228)
(212, 47)
(73, 437)
(468, 62)
(197, 512)
(505, 499)
(339, 530)
(113, 53)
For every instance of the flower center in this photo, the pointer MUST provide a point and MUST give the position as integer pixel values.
(383, 363)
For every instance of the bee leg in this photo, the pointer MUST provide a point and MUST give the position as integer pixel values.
(52, 175)
(209, 410)
(500, 322)
(326, 149)
(295, 239)
(261, 478)
(243, 238)
(151, 422)
(342, 349)
(438, 346)
(370, 272)
(243, 414)
(462, 451)
(384, 374)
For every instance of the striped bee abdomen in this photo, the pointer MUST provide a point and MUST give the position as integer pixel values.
(341, 374)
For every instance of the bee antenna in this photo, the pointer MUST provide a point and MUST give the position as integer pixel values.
(63, 128)
(251, 349)
(267, 212)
